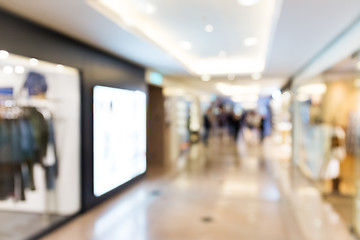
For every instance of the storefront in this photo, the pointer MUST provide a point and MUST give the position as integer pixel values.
(182, 124)
(54, 95)
(326, 134)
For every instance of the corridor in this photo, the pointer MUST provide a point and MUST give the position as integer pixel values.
(223, 191)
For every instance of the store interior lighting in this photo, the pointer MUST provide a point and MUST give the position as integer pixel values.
(248, 98)
(256, 76)
(315, 88)
(232, 90)
(205, 78)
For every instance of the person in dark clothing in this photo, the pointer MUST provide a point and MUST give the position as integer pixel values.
(207, 126)
(236, 121)
(262, 128)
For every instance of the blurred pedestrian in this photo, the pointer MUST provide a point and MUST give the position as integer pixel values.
(207, 125)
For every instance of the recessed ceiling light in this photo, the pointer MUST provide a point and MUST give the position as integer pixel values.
(3, 54)
(33, 61)
(256, 76)
(185, 45)
(209, 28)
(8, 69)
(231, 77)
(247, 2)
(150, 9)
(19, 69)
(251, 41)
(222, 54)
(205, 78)
(60, 67)
(197, 63)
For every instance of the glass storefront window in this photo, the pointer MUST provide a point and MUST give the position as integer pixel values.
(39, 143)
(326, 132)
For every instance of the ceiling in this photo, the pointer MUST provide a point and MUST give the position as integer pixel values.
(290, 33)
(203, 40)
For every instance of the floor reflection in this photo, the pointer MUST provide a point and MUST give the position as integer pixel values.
(225, 190)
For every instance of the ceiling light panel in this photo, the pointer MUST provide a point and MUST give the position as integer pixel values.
(168, 23)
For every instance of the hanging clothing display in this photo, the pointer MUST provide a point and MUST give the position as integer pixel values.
(26, 139)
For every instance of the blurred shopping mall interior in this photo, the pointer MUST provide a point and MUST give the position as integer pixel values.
(180, 120)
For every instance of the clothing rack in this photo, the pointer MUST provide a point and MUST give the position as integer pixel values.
(27, 139)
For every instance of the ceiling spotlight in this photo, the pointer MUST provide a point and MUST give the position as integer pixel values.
(209, 28)
(8, 69)
(256, 76)
(247, 2)
(3, 54)
(33, 61)
(185, 45)
(19, 69)
(222, 54)
(205, 78)
(231, 77)
(251, 41)
(60, 67)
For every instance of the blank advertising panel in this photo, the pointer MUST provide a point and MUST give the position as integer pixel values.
(119, 137)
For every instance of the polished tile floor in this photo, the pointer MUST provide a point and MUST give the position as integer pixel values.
(224, 191)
